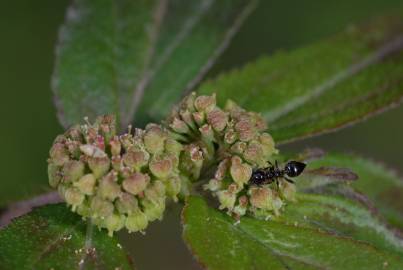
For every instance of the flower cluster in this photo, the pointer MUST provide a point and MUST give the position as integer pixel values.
(124, 181)
(117, 181)
(235, 142)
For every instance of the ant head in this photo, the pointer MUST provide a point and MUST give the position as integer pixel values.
(294, 168)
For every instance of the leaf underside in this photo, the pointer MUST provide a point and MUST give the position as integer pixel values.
(382, 186)
(52, 237)
(218, 243)
(325, 86)
(136, 58)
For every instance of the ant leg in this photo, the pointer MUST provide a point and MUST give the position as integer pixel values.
(276, 163)
(289, 180)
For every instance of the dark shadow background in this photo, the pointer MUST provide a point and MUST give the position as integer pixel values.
(28, 122)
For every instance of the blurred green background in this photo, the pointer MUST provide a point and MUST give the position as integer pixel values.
(29, 32)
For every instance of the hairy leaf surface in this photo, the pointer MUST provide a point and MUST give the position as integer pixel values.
(324, 86)
(52, 237)
(218, 243)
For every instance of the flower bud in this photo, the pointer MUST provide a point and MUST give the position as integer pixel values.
(136, 183)
(154, 139)
(245, 129)
(230, 136)
(213, 185)
(99, 165)
(254, 153)
(205, 103)
(74, 197)
(126, 203)
(222, 169)
(107, 126)
(262, 198)
(115, 145)
(238, 147)
(54, 175)
(242, 206)
(108, 187)
(179, 126)
(267, 144)
(226, 199)
(218, 119)
(137, 221)
(199, 118)
(86, 184)
(173, 147)
(101, 208)
(136, 159)
(113, 223)
(74, 133)
(153, 209)
(161, 166)
(240, 172)
(207, 132)
(155, 192)
(58, 154)
(287, 190)
(173, 187)
(187, 117)
(73, 170)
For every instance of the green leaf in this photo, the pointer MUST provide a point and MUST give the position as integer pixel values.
(381, 185)
(343, 217)
(52, 237)
(218, 243)
(325, 86)
(137, 57)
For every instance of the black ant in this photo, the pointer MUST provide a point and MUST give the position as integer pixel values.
(273, 173)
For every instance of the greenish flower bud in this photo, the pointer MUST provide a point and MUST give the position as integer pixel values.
(173, 147)
(230, 136)
(240, 172)
(117, 163)
(108, 187)
(218, 119)
(113, 223)
(74, 148)
(101, 208)
(153, 209)
(154, 139)
(238, 148)
(54, 175)
(155, 192)
(126, 204)
(84, 209)
(173, 187)
(207, 132)
(205, 103)
(242, 206)
(226, 199)
(74, 197)
(73, 170)
(136, 183)
(115, 145)
(263, 198)
(267, 144)
(213, 185)
(59, 154)
(179, 126)
(187, 117)
(161, 166)
(74, 133)
(188, 102)
(86, 184)
(136, 222)
(99, 166)
(287, 190)
(199, 118)
(136, 159)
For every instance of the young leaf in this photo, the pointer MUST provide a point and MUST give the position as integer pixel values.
(218, 243)
(52, 237)
(112, 55)
(382, 186)
(324, 86)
